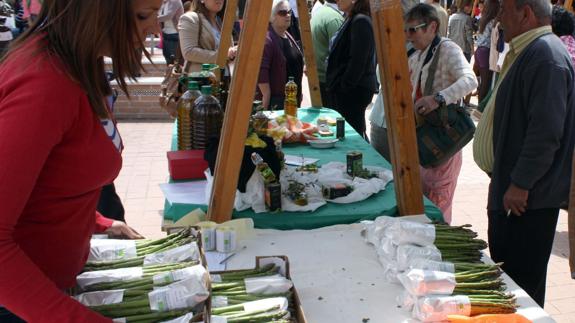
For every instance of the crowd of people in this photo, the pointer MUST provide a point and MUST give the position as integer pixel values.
(59, 144)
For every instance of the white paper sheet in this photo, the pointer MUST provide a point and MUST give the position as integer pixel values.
(185, 193)
(298, 160)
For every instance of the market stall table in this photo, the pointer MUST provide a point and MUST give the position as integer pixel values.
(339, 278)
(382, 203)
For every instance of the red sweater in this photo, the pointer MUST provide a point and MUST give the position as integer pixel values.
(54, 158)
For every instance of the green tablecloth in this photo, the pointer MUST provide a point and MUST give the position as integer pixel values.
(383, 203)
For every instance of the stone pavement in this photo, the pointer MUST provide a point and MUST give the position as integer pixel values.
(145, 167)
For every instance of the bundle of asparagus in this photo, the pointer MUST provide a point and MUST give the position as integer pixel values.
(146, 279)
(458, 243)
(161, 303)
(184, 241)
(264, 310)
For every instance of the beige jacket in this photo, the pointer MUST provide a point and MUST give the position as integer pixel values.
(198, 44)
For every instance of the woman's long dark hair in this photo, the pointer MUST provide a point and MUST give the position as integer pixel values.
(490, 11)
(360, 6)
(75, 31)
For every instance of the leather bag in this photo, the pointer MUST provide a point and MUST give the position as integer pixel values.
(174, 83)
(444, 131)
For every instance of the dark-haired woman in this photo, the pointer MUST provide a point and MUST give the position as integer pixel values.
(58, 147)
(350, 75)
(483, 45)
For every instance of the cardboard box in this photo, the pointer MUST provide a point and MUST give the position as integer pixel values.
(297, 312)
(186, 164)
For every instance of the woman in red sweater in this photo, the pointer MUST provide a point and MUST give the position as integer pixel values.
(57, 149)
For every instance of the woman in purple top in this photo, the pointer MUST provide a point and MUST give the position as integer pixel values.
(281, 59)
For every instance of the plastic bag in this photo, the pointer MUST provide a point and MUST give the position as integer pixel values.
(188, 252)
(88, 278)
(437, 308)
(183, 294)
(425, 264)
(405, 253)
(426, 282)
(112, 249)
(408, 232)
(268, 285)
(406, 301)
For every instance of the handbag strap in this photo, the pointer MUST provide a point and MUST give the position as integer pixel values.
(428, 89)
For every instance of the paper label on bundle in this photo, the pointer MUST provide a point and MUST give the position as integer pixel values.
(176, 275)
(426, 282)
(405, 253)
(218, 319)
(182, 319)
(219, 301)
(267, 303)
(183, 294)
(188, 252)
(215, 278)
(267, 285)
(88, 278)
(437, 308)
(425, 264)
(119, 320)
(409, 232)
(112, 249)
(101, 297)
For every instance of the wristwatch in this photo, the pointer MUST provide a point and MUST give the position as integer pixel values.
(439, 98)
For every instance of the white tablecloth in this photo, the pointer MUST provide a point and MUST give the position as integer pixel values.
(338, 276)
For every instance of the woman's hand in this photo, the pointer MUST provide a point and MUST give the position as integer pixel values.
(232, 52)
(120, 229)
(425, 105)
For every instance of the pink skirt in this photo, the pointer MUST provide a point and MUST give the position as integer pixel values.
(439, 183)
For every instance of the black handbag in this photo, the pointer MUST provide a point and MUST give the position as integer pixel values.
(444, 131)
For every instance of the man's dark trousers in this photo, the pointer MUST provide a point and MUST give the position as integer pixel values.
(523, 243)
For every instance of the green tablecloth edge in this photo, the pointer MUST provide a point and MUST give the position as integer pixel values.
(301, 220)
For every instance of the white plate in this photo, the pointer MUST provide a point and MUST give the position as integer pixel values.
(323, 143)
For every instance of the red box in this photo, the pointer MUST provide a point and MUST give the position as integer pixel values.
(187, 164)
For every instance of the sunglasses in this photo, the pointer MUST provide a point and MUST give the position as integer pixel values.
(283, 13)
(414, 29)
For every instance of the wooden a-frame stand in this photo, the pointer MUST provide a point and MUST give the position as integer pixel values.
(388, 28)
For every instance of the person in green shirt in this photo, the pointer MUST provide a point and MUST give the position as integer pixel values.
(325, 22)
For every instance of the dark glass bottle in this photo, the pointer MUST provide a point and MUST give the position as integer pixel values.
(207, 118)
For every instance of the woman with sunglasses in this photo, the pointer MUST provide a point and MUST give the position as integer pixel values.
(281, 59)
(200, 33)
(59, 146)
(350, 74)
(452, 80)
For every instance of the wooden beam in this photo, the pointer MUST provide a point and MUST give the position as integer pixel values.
(568, 5)
(226, 38)
(239, 107)
(309, 55)
(392, 58)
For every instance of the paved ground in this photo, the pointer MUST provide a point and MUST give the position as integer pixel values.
(145, 166)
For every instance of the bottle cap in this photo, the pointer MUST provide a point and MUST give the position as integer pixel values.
(256, 158)
(193, 85)
(206, 67)
(207, 89)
